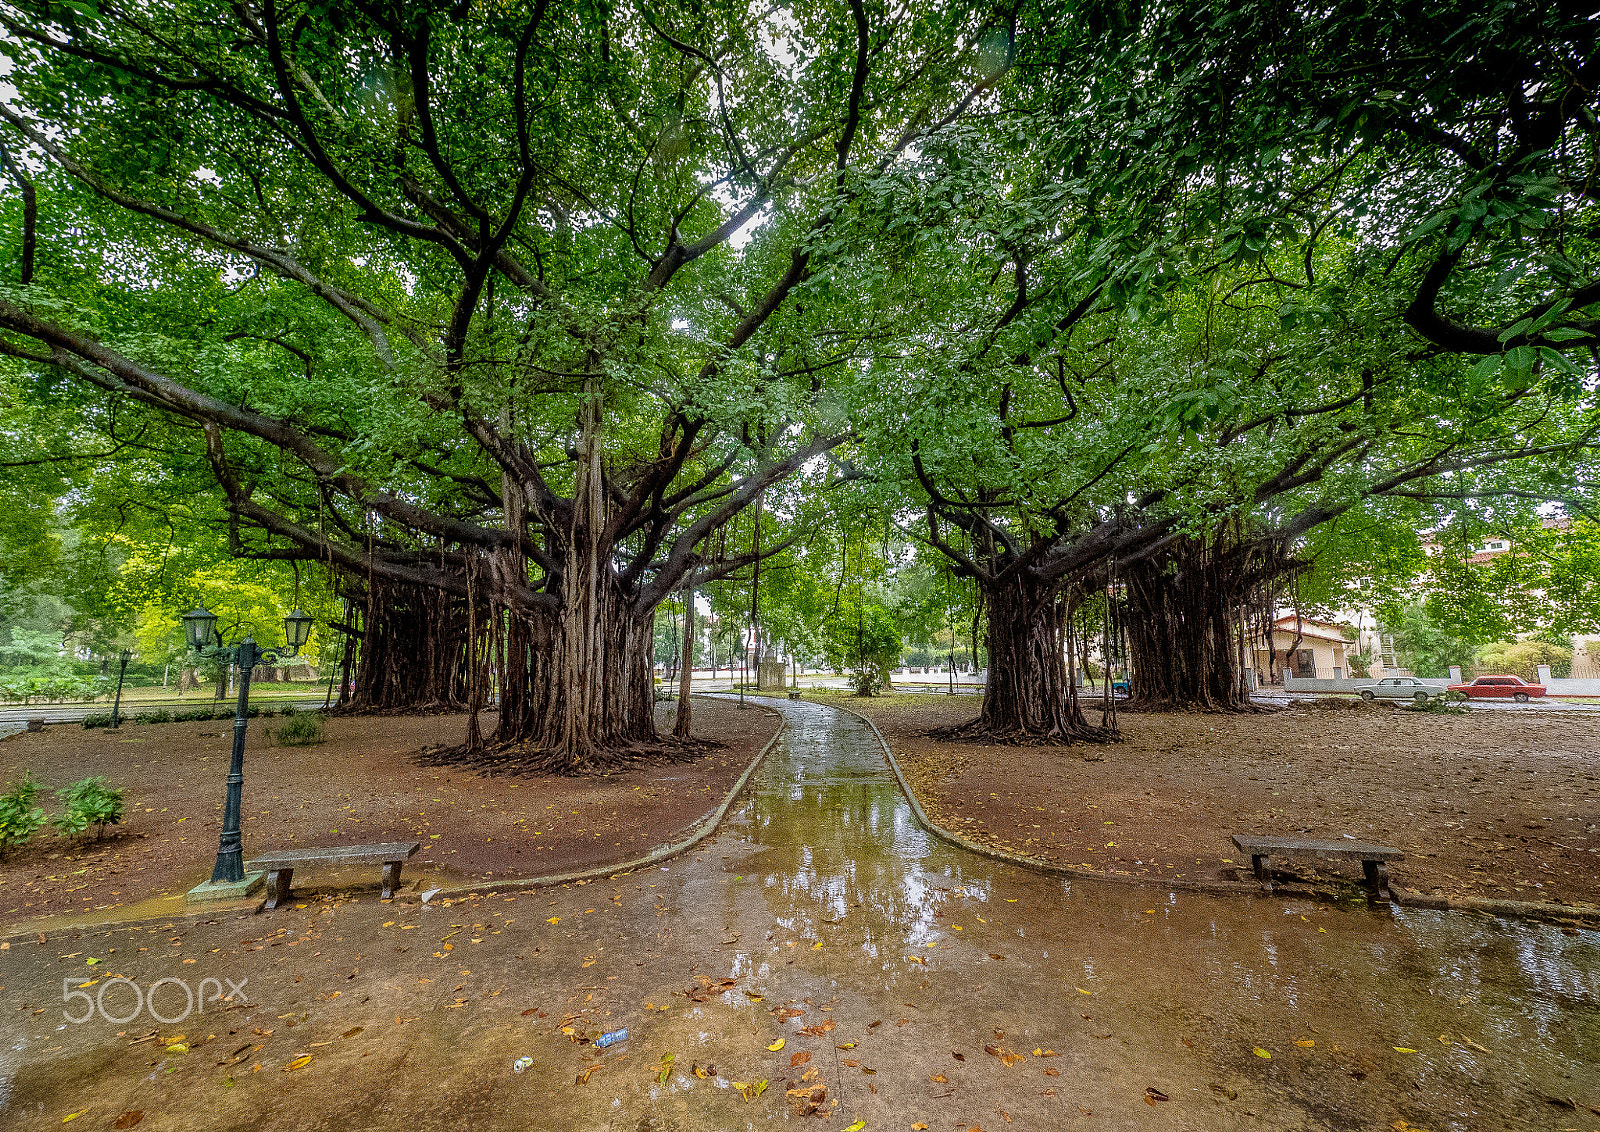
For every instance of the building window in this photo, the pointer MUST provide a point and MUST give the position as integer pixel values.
(1305, 664)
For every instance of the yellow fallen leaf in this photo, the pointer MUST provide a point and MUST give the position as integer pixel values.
(388, 923)
(298, 1063)
(1080, 990)
(73, 1115)
(1308, 1043)
(856, 1127)
(553, 920)
(817, 946)
(776, 1046)
(847, 1045)
(917, 1127)
(1262, 1053)
(1403, 1049)
(177, 1047)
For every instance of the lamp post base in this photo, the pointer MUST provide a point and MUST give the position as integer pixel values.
(226, 890)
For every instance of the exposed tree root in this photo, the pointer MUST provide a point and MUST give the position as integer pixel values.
(432, 707)
(526, 759)
(1194, 707)
(974, 731)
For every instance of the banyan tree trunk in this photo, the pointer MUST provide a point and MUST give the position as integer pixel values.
(1182, 626)
(411, 651)
(1029, 697)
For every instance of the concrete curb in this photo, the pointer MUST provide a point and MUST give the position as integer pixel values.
(655, 856)
(1404, 897)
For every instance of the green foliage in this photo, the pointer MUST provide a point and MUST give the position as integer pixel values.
(97, 719)
(19, 817)
(1522, 658)
(160, 715)
(1425, 648)
(193, 715)
(88, 802)
(300, 729)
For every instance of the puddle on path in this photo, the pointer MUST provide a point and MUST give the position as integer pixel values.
(822, 895)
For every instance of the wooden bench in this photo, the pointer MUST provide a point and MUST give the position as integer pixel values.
(280, 864)
(1374, 858)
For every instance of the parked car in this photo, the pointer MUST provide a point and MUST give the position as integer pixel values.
(1399, 688)
(1499, 687)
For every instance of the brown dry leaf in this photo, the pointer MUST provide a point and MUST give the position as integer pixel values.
(1153, 1094)
(992, 955)
(939, 1079)
(1000, 1035)
(1223, 1090)
(1307, 1043)
(851, 1064)
(800, 1058)
(918, 1127)
(992, 1051)
(530, 1010)
(958, 1056)
(583, 1078)
(129, 1118)
(1045, 1053)
(1052, 1071)
(354, 1032)
(1004, 1115)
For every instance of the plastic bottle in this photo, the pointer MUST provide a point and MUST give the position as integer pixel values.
(610, 1039)
(521, 1063)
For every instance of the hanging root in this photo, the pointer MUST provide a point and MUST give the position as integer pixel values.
(433, 707)
(526, 759)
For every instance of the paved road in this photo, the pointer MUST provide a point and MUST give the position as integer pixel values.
(908, 982)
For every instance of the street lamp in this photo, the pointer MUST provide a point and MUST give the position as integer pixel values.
(200, 630)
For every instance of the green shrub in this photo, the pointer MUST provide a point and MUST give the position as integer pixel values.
(97, 719)
(300, 729)
(160, 715)
(90, 802)
(193, 715)
(19, 817)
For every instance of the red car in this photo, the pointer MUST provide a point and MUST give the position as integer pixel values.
(1499, 687)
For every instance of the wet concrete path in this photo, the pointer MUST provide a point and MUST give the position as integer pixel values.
(915, 984)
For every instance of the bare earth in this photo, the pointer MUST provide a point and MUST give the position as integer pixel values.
(363, 785)
(1493, 804)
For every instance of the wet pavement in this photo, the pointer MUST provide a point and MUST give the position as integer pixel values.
(912, 984)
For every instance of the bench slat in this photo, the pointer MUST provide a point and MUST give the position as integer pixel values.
(1266, 845)
(337, 855)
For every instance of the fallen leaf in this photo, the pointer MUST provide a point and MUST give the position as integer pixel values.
(1307, 1044)
(918, 1127)
(847, 1045)
(1473, 1045)
(751, 1092)
(856, 1127)
(800, 1058)
(939, 1079)
(1080, 990)
(129, 1118)
(1259, 1052)
(992, 955)
(553, 920)
(1403, 1049)
(298, 1063)
(583, 1078)
(1045, 1053)
(754, 997)
(1153, 1094)
(1231, 1094)
(958, 1056)
(354, 1032)
(776, 1046)
(530, 1010)
(1052, 1071)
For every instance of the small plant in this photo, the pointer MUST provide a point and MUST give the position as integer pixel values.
(19, 817)
(90, 802)
(193, 715)
(97, 719)
(160, 715)
(300, 729)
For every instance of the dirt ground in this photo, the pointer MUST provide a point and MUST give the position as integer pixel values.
(1499, 804)
(363, 785)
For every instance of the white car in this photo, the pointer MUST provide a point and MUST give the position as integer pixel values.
(1399, 688)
